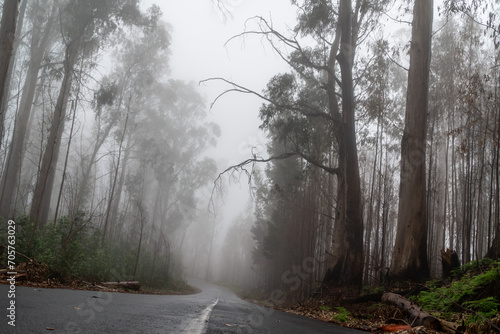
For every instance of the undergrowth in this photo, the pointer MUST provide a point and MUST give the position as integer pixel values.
(475, 292)
(342, 315)
(73, 250)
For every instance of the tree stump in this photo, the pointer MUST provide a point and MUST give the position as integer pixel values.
(449, 262)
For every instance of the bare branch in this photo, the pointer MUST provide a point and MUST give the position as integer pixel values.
(242, 166)
(305, 110)
(267, 31)
(293, 43)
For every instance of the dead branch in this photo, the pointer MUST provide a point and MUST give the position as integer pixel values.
(302, 109)
(267, 31)
(18, 253)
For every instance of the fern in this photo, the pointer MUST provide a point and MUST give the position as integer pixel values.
(487, 307)
(462, 293)
(342, 315)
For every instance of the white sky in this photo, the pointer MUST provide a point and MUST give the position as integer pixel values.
(199, 32)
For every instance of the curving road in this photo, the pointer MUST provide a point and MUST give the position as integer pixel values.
(214, 310)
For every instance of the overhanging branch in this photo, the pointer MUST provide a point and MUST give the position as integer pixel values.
(302, 109)
(248, 166)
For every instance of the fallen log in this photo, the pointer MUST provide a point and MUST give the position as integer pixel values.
(452, 327)
(19, 274)
(127, 285)
(417, 316)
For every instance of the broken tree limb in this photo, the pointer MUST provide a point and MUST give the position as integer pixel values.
(128, 285)
(417, 316)
(18, 253)
(451, 327)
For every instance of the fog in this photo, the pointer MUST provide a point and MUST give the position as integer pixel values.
(202, 48)
(254, 143)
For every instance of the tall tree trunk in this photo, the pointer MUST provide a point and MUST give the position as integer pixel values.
(347, 254)
(61, 188)
(83, 188)
(409, 259)
(142, 222)
(113, 216)
(43, 190)
(369, 257)
(7, 36)
(115, 178)
(12, 171)
(494, 249)
(6, 94)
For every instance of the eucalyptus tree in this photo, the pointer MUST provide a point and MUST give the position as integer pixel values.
(7, 34)
(485, 15)
(85, 26)
(409, 259)
(172, 137)
(141, 61)
(318, 97)
(41, 24)
(9, 82)
(278, 245)
(380, 103)
(166, 168)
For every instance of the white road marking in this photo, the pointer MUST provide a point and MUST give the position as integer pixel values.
(199, 324)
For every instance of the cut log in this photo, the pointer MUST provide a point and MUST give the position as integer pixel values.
(417, 316)
(19, 276)
(128, 285)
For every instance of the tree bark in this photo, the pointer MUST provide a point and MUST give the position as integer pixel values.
(115, 178)
(43, 190)
(417, 316)
(68, 149)
(39, 43)
(6, 94)
(347, 254)
(7, 36)
(410, 252)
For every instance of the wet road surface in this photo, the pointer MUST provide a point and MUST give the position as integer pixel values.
(214, 310)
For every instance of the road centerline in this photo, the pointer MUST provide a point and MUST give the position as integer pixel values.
(199, 324)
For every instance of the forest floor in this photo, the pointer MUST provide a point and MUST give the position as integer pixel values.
(470, 300)
(345, 307)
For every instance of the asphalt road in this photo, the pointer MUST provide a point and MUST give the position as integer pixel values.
(214, 310)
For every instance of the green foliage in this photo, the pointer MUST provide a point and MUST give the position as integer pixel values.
(466, 293)
(342, 315)
(72, 249)
(325, 308)
(486, 307)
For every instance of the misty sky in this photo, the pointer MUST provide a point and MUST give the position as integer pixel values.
(199, 31)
